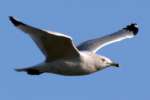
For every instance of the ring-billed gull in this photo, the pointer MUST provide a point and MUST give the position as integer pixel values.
(64, 58)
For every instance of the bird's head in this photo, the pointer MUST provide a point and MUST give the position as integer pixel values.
(106, 62)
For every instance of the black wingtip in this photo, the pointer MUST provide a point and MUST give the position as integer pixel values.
(18, 70)
(133, 28)
(30, 71)
(14, 21)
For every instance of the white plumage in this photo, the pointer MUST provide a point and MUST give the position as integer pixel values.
(63, 57)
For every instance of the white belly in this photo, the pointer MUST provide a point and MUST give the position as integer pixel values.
(67, 67)
(83, 65)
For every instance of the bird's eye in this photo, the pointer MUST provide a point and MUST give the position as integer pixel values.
(103, 59)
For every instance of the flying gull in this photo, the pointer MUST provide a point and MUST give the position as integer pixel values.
(63, 57)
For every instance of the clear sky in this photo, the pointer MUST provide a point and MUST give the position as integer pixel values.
(81, 19)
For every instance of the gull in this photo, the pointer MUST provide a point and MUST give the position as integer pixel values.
(63, 57)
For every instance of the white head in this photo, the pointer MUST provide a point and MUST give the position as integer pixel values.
(106, 62)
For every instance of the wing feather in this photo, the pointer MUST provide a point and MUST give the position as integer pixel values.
(98, 43)
(53, 45)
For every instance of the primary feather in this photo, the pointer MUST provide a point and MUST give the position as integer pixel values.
(94, 45)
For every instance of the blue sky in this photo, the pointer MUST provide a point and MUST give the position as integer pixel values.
(81, 19)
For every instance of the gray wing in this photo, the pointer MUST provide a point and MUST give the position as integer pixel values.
(96, 44)
(53, 45)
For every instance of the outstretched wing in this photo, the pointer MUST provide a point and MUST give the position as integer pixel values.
(96, 44)
(53, 45)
